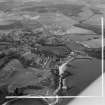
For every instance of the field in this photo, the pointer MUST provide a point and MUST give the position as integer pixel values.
(39, 37)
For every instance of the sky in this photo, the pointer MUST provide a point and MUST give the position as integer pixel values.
(55, 0)
(90, 2)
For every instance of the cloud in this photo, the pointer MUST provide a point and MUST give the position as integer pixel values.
(31, 0)
(20, 0)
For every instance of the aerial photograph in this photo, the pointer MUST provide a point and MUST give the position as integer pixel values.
(51, 51)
